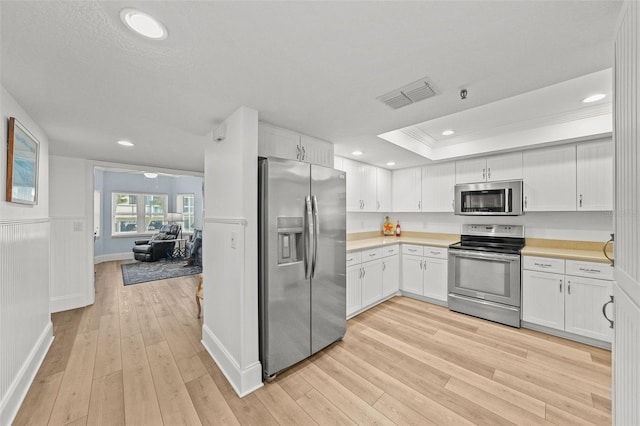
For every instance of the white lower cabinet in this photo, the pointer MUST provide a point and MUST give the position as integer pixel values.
(569, 303)
(372, 275)
(371, 282)
(390, 275)
(424, 271)
(354, 289)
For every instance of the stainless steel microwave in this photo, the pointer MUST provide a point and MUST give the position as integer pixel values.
(489, 198)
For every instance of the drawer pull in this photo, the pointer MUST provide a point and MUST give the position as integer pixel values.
(542, 265)
(413, 250)
(349, 260)
(372, 255)
(434, 252)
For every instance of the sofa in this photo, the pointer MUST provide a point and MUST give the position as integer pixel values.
(159, 246)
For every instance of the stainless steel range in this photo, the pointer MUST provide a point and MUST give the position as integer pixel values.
(484, 272)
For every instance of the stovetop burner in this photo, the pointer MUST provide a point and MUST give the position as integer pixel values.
(491, 238)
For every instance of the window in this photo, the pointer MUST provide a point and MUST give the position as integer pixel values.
(97, 203)
(186, 205)
(138, 213)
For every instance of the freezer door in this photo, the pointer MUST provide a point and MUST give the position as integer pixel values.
(285, 332)
(328, 263)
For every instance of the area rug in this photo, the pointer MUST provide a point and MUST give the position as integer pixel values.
(142, 272)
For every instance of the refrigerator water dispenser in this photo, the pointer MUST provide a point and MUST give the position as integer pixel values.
(290, 240)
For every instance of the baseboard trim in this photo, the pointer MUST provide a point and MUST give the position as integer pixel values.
(112, 257)
(16, 393)
(566, 335)
(242, 381)
(64, 303)
(425, 299)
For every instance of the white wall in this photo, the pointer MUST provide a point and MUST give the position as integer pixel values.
(578, 226)
(230, 329)
(72, 279)
(25, 321)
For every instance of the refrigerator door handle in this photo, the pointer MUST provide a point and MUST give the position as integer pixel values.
(314, 259)
(307, 235)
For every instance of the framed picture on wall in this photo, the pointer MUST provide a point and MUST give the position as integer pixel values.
(22, 164)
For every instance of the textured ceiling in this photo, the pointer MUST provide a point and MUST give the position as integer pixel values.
(314, 67)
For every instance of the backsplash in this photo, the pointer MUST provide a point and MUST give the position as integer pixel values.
(577, 226)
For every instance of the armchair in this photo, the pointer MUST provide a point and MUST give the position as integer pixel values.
(195, 243)
(159, 246)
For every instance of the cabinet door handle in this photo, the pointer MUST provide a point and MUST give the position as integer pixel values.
(560, 286)
(419, 205)
(604, 312)
(384, 266)
(421, 264)
(569, 287)
(604, 249)
(484, 175)
(525, 201)
(378, 205)
(298, 152)
(489, 173)
(304, 154)
(580, 200)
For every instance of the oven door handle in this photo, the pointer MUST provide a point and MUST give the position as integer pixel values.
(484, 256)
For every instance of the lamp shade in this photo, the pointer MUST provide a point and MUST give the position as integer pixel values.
(174, 217)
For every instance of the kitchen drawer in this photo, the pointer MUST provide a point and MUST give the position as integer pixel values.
(602, 271)
(390, 250)
(543, 264)
(354, 258)
(372, 254)
(412, 249)
(437, 252)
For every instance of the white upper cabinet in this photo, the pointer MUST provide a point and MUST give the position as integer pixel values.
(406, 190)
(275, 141)
(595, 175)
(383, 190)
(438, 182)
(549, 176)
(473, 170)
(368, 187)
(489, 169)
(316, 151)
(362, 184)
(504, 167)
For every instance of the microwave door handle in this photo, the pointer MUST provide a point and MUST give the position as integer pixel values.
(509, 200)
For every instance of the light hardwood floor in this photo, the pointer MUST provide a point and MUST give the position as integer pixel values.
(135, 358)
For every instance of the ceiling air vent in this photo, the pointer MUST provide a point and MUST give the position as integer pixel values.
(409, 94)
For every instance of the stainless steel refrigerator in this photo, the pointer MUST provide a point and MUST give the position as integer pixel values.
(302, 261)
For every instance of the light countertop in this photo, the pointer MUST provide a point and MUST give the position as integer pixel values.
(573, 250)
(566, 253)
(425, 239)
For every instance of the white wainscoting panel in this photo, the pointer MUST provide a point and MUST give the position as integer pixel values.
(230, 324)
(25, 321)
(626, 344)
(71, 284)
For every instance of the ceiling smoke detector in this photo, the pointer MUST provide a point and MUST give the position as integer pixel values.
(409, 94)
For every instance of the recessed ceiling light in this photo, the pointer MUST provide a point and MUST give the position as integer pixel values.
(391, 163)
(125, 143)
(448, 132)
(356, 153)
(593, 98)
(143, 24)
(150, 175)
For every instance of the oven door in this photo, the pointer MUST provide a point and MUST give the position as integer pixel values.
(485, 275)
